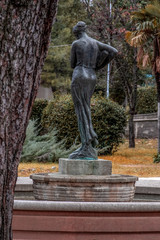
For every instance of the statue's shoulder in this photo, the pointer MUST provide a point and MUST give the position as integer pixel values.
(75, 43)
(92, 39)
(81, 41)
(94, 42)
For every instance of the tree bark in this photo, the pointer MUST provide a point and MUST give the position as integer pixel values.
(132, 104)
(158, 127)
(157, 77)
(25, 27)
(131, 131)
(130, 87)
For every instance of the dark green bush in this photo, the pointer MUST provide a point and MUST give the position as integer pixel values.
(37, 110)
(146, 100)
(156, 158)
(108, 119)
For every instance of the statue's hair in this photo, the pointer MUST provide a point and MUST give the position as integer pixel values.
(80, 27)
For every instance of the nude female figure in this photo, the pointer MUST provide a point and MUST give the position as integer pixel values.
(87, 56)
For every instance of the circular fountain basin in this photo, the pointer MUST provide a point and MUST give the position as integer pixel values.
(85, 188)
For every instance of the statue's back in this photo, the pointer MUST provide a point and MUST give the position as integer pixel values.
(86, 52)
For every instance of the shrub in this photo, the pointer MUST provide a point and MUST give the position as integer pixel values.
(156, 158)
(43, 148)
(146, 100)
(37, 110)
(108, 119)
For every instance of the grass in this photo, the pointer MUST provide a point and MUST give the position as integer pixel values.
(137, 161)
(26, 169)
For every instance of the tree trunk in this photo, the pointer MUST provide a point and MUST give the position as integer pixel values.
(158, 127)
(133, 102)
(131, 131)
(157, 77)
(25, 27)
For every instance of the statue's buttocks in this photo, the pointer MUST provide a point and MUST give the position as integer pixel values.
(83, 75)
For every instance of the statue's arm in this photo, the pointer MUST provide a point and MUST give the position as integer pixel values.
(106, 54)
(73, 56)
(111, 50)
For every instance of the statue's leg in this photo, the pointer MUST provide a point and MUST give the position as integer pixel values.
(81, 101)
(93, 135)
(81, 97)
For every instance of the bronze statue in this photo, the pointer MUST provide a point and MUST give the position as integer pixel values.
(87, 56)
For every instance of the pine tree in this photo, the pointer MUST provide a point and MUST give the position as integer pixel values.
(25, 29)
(57, 72)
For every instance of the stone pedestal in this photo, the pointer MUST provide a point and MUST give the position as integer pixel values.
(84, 180)
(85, 167)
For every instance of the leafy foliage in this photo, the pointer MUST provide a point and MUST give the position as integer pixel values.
(111, 28)
(147, 31)
(108, 121)
(156, 158)
(146, 37)
(43, 148)
(146, 100)
(37, 110)
(57, 71)
(109, 25)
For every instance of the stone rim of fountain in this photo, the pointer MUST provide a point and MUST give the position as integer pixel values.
(53, 177)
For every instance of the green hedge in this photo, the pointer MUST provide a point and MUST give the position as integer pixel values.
(37, 109)
(108, 119)
(146, 100)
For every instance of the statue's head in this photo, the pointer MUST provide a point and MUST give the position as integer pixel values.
(79, 28)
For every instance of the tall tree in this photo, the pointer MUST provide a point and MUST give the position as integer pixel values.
(146, 37)
(25, 29)
(109, 23)
(57, 71)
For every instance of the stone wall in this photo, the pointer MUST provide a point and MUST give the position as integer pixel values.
(45, 93)
(145, 126)
(43, 220)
